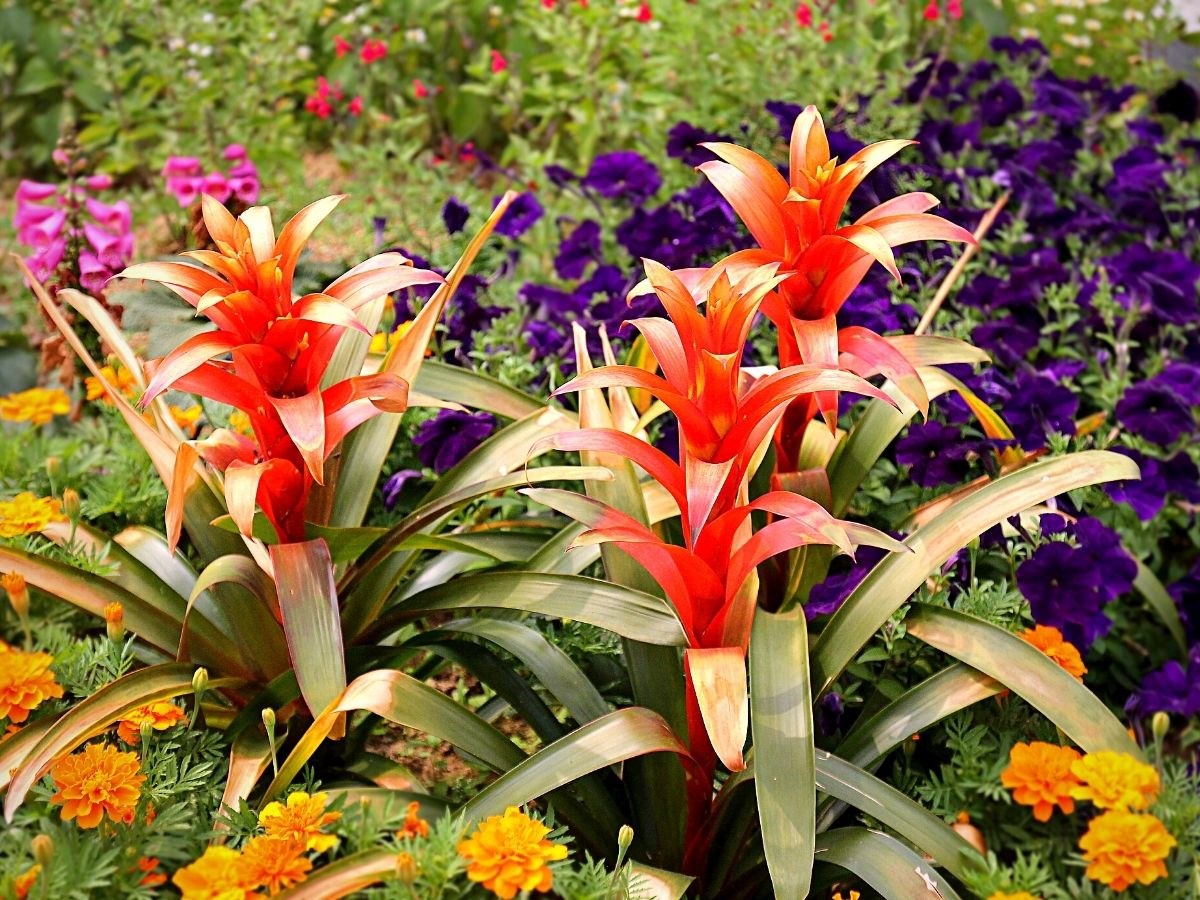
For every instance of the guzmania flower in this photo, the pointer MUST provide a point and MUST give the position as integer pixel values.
(36, 405)
(101, 780)
(25, 683)
(1124, 848)
(160, 716)
(510, 853)
(1115, 781)
(303, 818)
(414, 825)
(220, 874)
(1039, 775)
(275, 862)
(26, 514)
(1050, 641)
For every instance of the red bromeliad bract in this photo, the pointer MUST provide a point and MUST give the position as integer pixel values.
(268, 356)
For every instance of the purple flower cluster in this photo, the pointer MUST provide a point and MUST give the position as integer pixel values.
(50, 217)
(186, 179)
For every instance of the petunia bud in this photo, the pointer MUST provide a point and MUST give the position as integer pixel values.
(18, 592)
(200, 683)
(1160, 724)
(114, 622)
(406, 868)
(43, 850)
(71, 504)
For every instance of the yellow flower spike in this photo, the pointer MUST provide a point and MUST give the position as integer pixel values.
(98, 781)
(1115, 781)
(25, 683)
(1124, 848)
(1039, 775)
(36, 405)
(27, 514)
(510, 853)
(302, 818)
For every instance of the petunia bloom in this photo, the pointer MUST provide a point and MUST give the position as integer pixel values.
(1040, 776)
(99, 781)
(445, 440)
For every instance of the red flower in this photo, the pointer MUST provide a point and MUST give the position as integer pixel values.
(499, 63)
(372, 50)
(341, 46)
(954, 8)
(549, 4)
(355, 107)
(316, 105)
(644, 14)
(827, 36)
(804, 15)
(932, 12)
(419, 89)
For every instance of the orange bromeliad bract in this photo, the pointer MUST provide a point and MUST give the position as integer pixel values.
(268, 356)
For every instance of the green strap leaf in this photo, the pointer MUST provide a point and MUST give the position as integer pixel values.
(474, 389)
(884, 863)
(1155, 594)
(1019, 665)
(784, 763)
(889, 585)
(344, 877)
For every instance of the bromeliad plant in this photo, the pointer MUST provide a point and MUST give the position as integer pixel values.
(300, 612)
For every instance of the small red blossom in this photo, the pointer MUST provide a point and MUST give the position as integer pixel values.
(827, 36)
(499, 63)
(804, 15)
(549, 4)
(372, 50)
(419, 89)
(341, 46)
(644, 14)
(954, 9)
(932, 11)
(355, 107)
(318, 107)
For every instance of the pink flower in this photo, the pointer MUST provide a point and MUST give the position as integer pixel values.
(182, 166)
(644, 14)
(99, 182)
(318, 106)
(355, 107)
(372, 50)
(932, 12)
(93, 274)
(804, 15)
(116, 217)
(419, 89)
(185, 188)
(243, 181)
(34, 191)
(954, 9)
(28, 214)
(216, 186)
(111, 249)
(44, 262)
(235, 153)
(44, 232)
(341, 46)
(499, 63)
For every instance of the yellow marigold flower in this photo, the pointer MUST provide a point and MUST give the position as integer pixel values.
(301, 818)
(1115, 781)
(26, 514)
(220, 874)
(414, 825)
(122, 379)
(384, 341)
(25, 682)
(1019, 895)
(100, 780)
(186, 419)
(160, 716)
(1050, 641)
(1122, 848)
(240, 422)
(36, 405)
(509, 853)
(854, 895)
(1039, 775)
(275, 862)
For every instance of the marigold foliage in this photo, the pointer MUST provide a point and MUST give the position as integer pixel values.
(36, 405)
(27, 514)
(25, 682)
(1124, 848)
(1115, 781)
(160, 716)
(510, 853)
(1050, 641)
(1039, 775)
(303, 818)
(101, 780)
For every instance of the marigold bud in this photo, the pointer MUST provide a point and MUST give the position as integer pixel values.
(114, 621)
(971, 835)
(1160, 724)
(624, 838)
(71, 504)
(406, 868)
(53, 468)
(200, 683)
(18, 592)
(43, 849)
(268, 719)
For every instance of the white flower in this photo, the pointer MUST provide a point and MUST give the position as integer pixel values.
(304, 53)
(1065, 19)
(208, 18)
(416, 36)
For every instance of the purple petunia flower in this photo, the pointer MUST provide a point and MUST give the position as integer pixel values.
(829, 713)
(544, 339)
(684, 140)
(1172, 689)
(1145, 495)
(1062, 585)
(624, 173)
(522, 215)
(1038, 407)
(445, 440)
(1154, 411)
(825, 597)
(1000, 102)
(935, 454)
(1115, 566)
(560, 176)
(578, 249)
(455, 214)
(1059, 100)
(395, 484)
(1162, 282)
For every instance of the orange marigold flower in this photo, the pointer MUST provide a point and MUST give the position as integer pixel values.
(25, 682)
(148, 864)
(160, 716)
(1123, 848)
(24, 882)
(1039, 775)
(186, 419)
(99, 780)
(1050, 641)
(36, 405)
(25, 514)
(303, 818)
(121, 379)
(1019, 895)
(414, 825)
(1115, 781)
(275, 862)
(18, 591)
(220, 874)
(509, 854)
